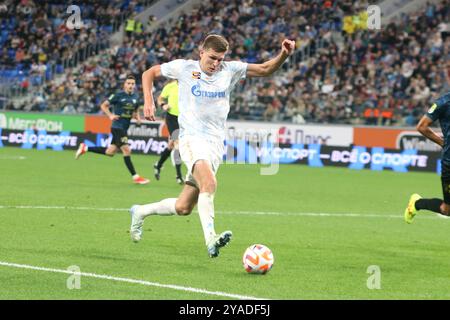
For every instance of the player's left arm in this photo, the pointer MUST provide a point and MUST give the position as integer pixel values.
(424, 128)
(267, 68)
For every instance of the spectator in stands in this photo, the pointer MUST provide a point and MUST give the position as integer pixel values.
(371, 115)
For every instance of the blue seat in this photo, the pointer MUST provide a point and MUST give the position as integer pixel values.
(48, 74)
(11, 53)
(36, 80)
(107, 29)
(57, 22)
(4, 36)
(125, 4)
(59, 68)
(7, 74)
(12, 23)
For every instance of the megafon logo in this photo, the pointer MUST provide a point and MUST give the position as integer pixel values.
(295, 135)
(284, 135)
(412, 140)
(3, 121)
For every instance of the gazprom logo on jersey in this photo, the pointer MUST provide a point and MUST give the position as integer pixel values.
(196, 91)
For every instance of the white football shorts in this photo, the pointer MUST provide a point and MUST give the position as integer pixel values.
(193, 149)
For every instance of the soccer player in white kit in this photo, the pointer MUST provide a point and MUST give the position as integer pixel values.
(204, 94)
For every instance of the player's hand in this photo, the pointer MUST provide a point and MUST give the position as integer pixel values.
(114, 117)
(165, 106)
(288, 46)
(149, 112)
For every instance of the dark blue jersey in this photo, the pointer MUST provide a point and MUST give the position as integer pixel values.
(441, 110)
(123, 105)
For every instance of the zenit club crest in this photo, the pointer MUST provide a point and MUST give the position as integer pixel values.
(195, 75)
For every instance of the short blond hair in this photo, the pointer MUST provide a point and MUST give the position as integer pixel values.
(215, 42)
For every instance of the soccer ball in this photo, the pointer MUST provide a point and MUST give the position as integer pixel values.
(258, 259)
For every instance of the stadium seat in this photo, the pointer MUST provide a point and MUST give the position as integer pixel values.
(5, 33)
(11, 53)
(107, 29)
(48, 74)
(12, 22)
(36, 80)
(59, 68)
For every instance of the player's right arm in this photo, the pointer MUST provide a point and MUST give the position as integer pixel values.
(105, 108)
(147, 87)
(424, 128)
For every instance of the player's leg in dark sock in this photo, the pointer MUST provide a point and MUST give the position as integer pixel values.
(178, 168)
(99, 150)
(164, 155)
(177, 161)
(129, 165)
(429, 204)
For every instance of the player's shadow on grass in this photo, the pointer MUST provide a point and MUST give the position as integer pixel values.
(74, 256)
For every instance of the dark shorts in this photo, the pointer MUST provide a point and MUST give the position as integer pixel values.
(119, 137)
(445, 180)
(172, 125)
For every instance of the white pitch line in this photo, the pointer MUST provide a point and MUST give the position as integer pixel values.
(62, 208)
(306, 214)
(134, 281)
(270, 213)
(12, 157)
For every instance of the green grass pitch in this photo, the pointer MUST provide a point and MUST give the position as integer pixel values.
(325, 226)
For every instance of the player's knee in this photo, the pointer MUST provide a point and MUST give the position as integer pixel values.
(209, 186)
(445, 209)
(111, 150)
(183, 209)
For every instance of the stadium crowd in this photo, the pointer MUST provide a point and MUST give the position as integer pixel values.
(373, 77)
(35, 35)
(257, 24)
(383, 77)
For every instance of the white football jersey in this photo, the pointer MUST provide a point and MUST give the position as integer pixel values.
(203, 101)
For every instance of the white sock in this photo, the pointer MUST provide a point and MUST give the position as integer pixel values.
(165, 207)
(205, 207)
